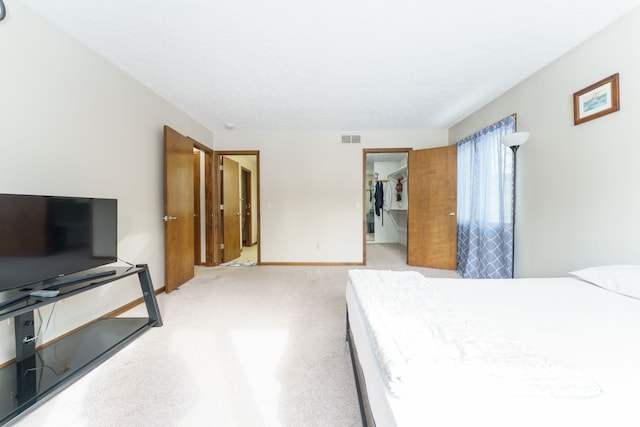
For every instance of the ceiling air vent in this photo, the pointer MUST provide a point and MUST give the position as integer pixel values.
(346, 139)
(355, 139)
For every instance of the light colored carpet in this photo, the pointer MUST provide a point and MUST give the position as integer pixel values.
(239, 263)
(255, 346)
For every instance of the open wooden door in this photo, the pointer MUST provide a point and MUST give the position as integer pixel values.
(178, 209)
(231, 212)
(432, 228)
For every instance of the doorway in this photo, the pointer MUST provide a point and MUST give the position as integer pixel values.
(426, 198)
(203, 205)
(237, 231)
(385, 202)
(246, 202)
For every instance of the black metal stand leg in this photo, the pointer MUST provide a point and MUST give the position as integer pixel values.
(25, 358)
(149, 295)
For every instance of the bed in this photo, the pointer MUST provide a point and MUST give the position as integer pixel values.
(510, 352)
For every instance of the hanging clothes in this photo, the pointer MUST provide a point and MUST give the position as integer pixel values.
(379, 198)
(399, 190)
(387, 198)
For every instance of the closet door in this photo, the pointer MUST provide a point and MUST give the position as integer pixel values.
(432, 228)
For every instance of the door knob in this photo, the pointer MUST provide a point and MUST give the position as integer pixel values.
(452, 214)
(169, 218)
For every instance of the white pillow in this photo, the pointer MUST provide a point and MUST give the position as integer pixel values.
(622, 279)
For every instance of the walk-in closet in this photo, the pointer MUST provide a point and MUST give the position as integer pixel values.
(386, 197)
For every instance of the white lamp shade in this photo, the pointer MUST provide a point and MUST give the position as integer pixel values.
(515, 139)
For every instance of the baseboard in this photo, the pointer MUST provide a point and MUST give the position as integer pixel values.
(118, 311)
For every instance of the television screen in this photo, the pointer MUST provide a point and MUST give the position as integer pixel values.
(44, 237)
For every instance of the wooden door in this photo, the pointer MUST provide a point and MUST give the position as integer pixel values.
(231, 212)
(432, 228)
(178, 209)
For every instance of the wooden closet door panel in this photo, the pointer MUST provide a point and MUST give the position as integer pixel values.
(432, 228)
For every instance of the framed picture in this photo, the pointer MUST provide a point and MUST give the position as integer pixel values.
(597, 100)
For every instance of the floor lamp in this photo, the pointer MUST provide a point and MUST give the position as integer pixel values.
(514, 141)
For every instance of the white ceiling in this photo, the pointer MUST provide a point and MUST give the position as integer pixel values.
(332, 64)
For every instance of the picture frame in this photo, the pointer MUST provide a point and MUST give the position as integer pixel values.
(597, 100)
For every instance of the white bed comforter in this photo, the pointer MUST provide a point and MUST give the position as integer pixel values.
(421, 336)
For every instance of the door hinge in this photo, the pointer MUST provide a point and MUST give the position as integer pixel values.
(221, 167)
(221, 207)
(221, 245)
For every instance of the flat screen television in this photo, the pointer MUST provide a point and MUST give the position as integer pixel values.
(46, 237)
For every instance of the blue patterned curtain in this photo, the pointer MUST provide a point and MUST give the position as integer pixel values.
(485, 203)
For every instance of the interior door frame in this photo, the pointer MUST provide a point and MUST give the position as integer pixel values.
(197, 204)
(208, 202)
(366, 151)
(217, 229)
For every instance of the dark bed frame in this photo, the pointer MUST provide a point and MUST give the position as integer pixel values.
(358, 375)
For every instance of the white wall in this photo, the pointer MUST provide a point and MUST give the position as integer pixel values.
(74, 125)
(312, 189)
(577, 197)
